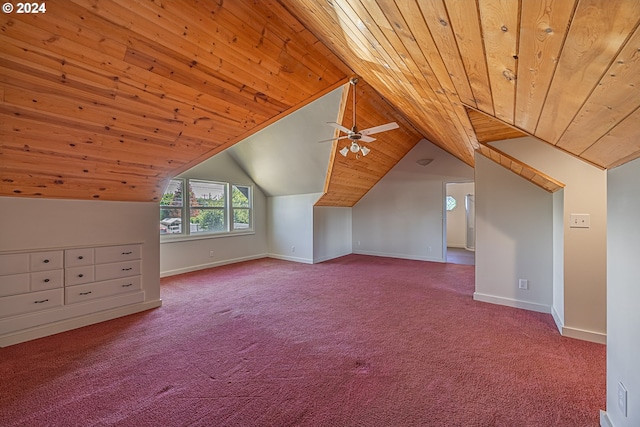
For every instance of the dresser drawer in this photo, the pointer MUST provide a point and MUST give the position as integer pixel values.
(40, 261)
(14, 284)
(119, 269)
(79, 275)
(78, 257)
(42, 280)
(80, 293)
(28, 303)
(109, 254)
(14, 263)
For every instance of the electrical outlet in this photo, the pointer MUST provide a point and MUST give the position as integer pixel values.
(211, 253)
(523, 284)
(293, 248)
(622, 399)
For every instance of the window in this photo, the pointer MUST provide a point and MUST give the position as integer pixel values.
(241, 207)
(171, 208)
(207, 207)
(451, 203)
(210, 208)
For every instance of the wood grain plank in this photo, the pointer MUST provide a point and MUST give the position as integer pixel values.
(20, 183)
(465, 21)
(598, 31)
(620, 145)
(489, 129)
(500, 23)
(344, 97)
(78, 110)
(527, 172)
(441, 83)
(616, 96)
(437, 20)
(543, 28)
(72, 22)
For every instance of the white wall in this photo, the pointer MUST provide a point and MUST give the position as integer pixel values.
(584, 248)
(331, 233)
(558, 258)
(623, 292)
(182, 255)
(457, 218)
(514, 239)
(49, 223)
(290, 227)
(30, 224)
(402, 215)
(288, 148)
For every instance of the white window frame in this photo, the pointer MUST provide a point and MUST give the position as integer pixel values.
(232, 209)
(229, 230)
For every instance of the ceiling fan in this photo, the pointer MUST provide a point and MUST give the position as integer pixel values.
(357, 136)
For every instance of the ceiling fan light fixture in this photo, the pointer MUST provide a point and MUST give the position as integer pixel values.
(354, 135)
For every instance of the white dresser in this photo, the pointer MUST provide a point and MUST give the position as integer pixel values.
(44, 287)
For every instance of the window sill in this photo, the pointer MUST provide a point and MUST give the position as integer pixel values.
(172, 239)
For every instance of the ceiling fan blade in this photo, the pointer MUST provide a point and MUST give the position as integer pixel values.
(381, 128)
(366, 138)
(333, 139)
(339, 126)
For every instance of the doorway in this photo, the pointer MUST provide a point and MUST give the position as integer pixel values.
(460, 223)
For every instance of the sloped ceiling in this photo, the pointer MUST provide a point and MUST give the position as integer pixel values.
(351, 177)
(565, 71)
(109, 99)
(285, 158)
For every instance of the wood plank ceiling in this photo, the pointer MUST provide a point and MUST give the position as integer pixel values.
(108, 99)
(349, 178)
(565, 71)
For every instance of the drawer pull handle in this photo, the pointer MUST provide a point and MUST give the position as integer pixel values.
(126, 286)
(41, 301)
(46, 280)
(80, 257)
(127, 269)
(85, 293)
(80, 275)
(46, 261)
(127, 253)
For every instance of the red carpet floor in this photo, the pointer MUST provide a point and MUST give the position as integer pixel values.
(357, 341)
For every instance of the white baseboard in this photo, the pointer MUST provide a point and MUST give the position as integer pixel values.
(291, 258)
(526, 305)
(210, 265)
(76, 322)
(556, 318)
(328, 257)
(604, 420)
(401, 256)
(581, 334)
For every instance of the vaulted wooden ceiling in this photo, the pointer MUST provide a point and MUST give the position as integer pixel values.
(108, 99)
(565, 71)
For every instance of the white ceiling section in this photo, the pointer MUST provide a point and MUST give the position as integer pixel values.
(285, 157)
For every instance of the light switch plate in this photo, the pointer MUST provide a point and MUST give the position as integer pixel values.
(580, 221)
